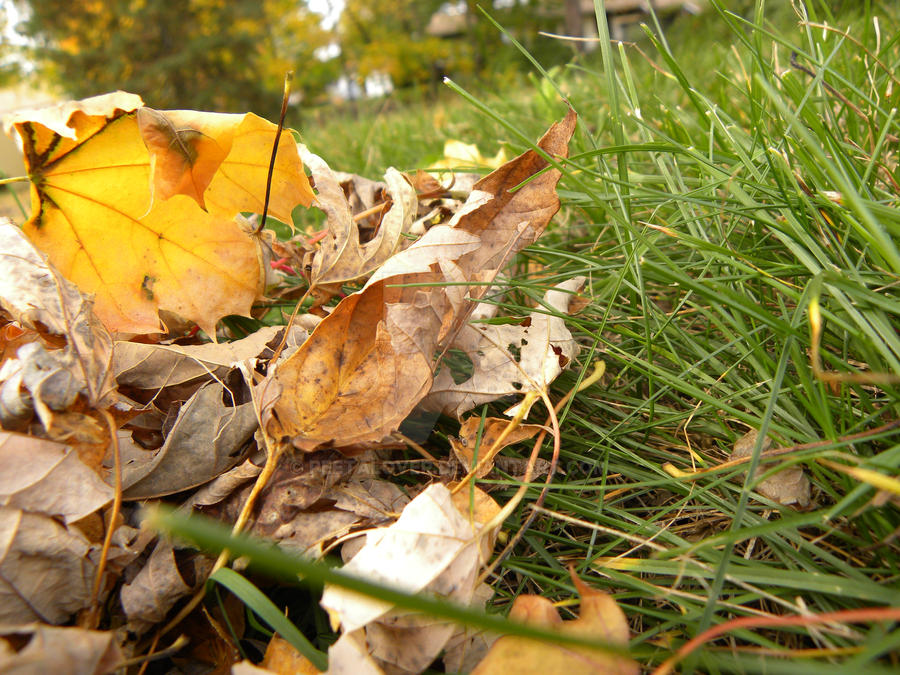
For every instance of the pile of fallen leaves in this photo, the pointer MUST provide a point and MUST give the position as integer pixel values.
(139, 243)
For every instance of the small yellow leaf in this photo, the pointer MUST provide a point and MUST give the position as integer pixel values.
(464, 446)
(458, 154)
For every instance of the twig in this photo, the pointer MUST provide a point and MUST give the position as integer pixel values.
(672, 470)
(846, 616)
(288, 76)
(93, 617)
(599, 370)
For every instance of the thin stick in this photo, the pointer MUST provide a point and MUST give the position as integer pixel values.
(284, 106)
(14, 179)
(777, 452)
(371, 211)
(94, 613)
(599, 370)
(846, 616)
(180, 643)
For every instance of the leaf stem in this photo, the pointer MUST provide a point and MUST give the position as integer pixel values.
(288, 76)
(14, 179)
(93, 617)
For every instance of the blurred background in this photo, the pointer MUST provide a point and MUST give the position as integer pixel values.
(353, 60)
(231, 55)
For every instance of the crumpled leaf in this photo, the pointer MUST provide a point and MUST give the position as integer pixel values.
(599, 618)
(39, 380)
(789, 486)
(46, 477)
(464, 446)
(46, 572)
(432, 547)
(148, 597)
(341, 257)
(370, 361)
(210, 436)
(50, 649)
(509, 359)
(34, 294)
(311, 500)
(94, 215)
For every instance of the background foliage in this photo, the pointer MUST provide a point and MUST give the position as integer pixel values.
(203, 54)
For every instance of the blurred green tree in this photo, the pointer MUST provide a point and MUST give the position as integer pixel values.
(388, 36)
(415, 41)
(222, 55)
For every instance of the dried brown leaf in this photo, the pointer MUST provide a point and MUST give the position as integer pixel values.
(350, 383)
(35, 294)
(37, 648)
(210, 436)
(46, 570)
(369, 363)
(42, 476)
(788, 486)
(148, 597)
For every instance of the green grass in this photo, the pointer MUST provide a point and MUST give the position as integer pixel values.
(713, 192)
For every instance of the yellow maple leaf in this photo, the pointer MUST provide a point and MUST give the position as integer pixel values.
(127, 224)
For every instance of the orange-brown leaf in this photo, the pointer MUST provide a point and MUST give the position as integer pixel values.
(182, 161)
(369, 363)
(347, 384)
(464, 447)
(600, 618)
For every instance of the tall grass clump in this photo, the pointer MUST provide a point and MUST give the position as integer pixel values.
(735, 204)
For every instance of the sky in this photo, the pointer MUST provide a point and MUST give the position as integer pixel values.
(330, 9)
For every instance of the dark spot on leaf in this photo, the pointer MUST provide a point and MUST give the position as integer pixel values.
(147, 286)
